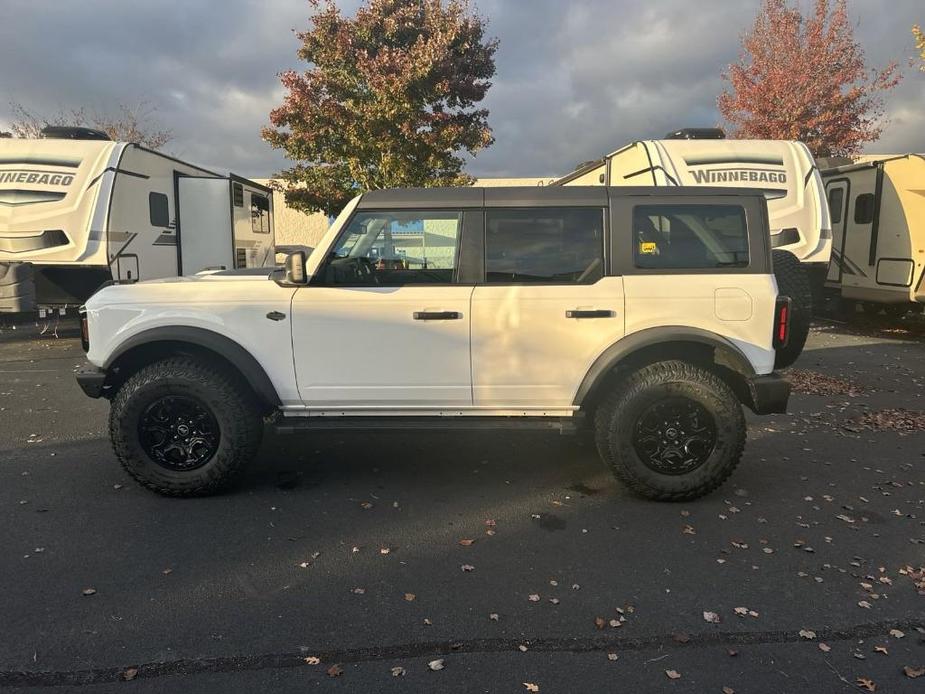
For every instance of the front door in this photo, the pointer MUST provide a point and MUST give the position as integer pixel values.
(837, 192)
(546, 309)
(384, 323)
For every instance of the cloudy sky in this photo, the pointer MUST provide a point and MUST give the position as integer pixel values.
(574, 78)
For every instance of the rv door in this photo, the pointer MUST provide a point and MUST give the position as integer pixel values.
(204, 224)
(837, 193)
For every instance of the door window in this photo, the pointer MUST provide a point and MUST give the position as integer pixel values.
(396, 247)
(836, 204)
(690, 236)
(544, 245)
(260, 214)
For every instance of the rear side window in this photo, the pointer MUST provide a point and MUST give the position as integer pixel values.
(158, 211)
(836, 203)
(690, 236)
(544, 245)
(260, 214)
(864, 209)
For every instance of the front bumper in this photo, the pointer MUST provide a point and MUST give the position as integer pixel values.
(769, 394)
(91, 380)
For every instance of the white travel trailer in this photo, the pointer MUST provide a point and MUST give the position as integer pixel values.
(78, 210)
(784, 170)
(878, 223)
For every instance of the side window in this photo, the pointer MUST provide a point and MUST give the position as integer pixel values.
(545, 244)
(836, 204)
(690, 236)
(260, 214)
(237, 194)
(158, 210)
(393, 248)
(864, 209)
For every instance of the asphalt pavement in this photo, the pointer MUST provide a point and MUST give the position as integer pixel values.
(365, 562)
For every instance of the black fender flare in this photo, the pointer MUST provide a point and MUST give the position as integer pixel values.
(235, 354)
(725, 353)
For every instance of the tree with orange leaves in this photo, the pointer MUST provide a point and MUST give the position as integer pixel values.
(804, 78)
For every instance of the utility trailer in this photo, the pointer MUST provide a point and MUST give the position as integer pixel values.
(78, 210)
(877, 205)
(801, 233)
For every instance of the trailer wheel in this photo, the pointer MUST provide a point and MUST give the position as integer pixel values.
(182, 427)
(671, 431)
(792, 281)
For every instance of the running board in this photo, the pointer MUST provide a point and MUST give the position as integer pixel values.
(294, 425)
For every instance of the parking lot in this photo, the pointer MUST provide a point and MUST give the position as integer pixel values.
(355, 561)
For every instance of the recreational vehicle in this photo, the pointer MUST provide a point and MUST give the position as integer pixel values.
(877, 205)
(783, 170)
(78, 210)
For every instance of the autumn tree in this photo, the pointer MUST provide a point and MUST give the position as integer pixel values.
(919, 44)
(804, 78)
(388, 99)
(128, 124)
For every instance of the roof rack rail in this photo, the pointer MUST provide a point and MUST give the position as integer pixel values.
(697, 134)
(71, 132)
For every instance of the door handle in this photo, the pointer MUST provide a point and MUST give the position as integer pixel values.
(589, 313)
(276, 315)
(437, 315)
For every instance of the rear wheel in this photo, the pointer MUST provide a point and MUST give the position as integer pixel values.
(671, 431)
(793, 281)
(184, 428)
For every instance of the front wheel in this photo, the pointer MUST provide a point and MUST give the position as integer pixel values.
(671, 431)
(184, 428)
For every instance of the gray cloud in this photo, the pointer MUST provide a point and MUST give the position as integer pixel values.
(575, 79)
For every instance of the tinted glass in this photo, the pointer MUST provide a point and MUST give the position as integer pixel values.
(864, 209)
(836, 204)
(552, 245)
(396, 247)
(157, 209)
(690, 236)
(260, 214)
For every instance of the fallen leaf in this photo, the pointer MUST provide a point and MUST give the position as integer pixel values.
(312, 660)
(681, 637)
(359, 591)
(913, 672)
(398, 671)
(867, 684)
(711, 617)
(410, 597)
(167, 572)
(673, 674)
(533, 597)
(896, 633)
(600, 622)
(881, 649)
(436, 664)
(864, 604)
(129, 674)
(807, 633)
(531, 687)
(824, 647)
(427, 622)
(465, 542)
(467, 567)
(89, 591)
(335, 670)
(493, 616)
(522, 648)
(366, 505)
(384, 550)
(688, 530)
(612, 656)
(729, 690)
(741, 611)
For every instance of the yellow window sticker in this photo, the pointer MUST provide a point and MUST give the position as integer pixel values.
(648, 248)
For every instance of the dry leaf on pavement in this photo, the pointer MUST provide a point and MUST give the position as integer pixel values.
(866, 684)
(129, 674)
(531, 687)
(312, 660)
(335, 670)
(410, 596)
(807, 633)
(398, 671)
(711, 617)
(465, 542)
(467, 567)
(673, 674)
(913, 672)
(436, 664)
(824, 647)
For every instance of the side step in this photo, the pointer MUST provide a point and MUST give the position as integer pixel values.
(294, 425)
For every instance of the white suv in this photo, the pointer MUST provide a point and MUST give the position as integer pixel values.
(649, 315)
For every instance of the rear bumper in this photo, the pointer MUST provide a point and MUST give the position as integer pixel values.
(91, 380)
(769, 394)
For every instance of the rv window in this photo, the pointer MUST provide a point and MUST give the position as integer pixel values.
(836, 203)
(690, 236)
(237, 194)
(158, 210)
(864, 209)
(394, 248)
(260, 214)
(546, 245)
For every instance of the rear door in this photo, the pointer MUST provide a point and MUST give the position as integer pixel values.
(546, 307)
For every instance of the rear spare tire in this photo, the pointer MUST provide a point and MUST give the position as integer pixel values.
(793, 281)
(671, 431)
(182, 427)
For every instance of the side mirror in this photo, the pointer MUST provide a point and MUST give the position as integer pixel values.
(295, 268)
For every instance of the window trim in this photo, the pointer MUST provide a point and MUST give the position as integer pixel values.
(605, 237)
(317, 281)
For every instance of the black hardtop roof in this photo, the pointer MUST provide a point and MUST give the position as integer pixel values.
(533, 196)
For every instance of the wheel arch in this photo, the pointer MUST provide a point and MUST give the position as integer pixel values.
(157, 343)
(647, 346)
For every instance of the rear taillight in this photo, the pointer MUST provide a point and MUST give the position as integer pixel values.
(84, 332)
(781, 322)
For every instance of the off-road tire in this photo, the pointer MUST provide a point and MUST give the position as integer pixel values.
(793, 281)
(222, 393)
(631, 396)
